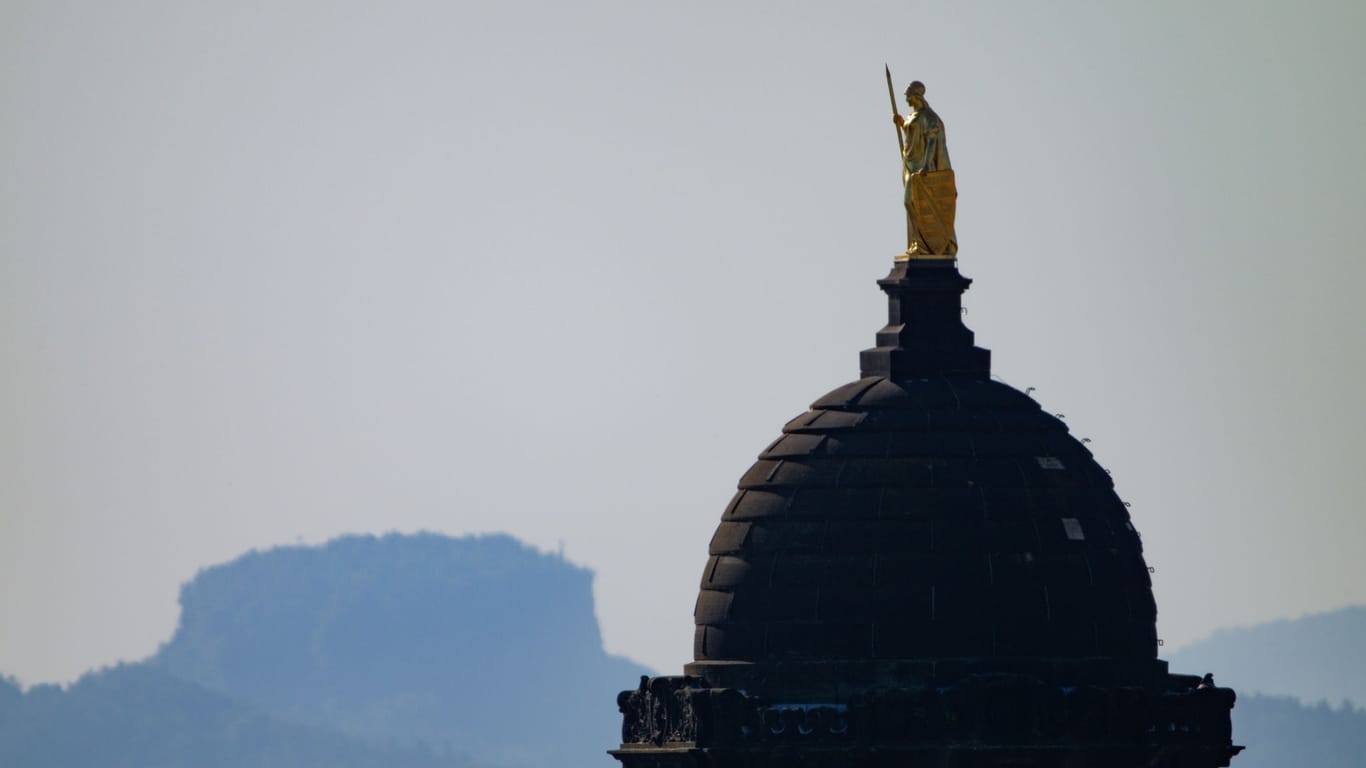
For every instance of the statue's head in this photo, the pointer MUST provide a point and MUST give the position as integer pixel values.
(915, 94)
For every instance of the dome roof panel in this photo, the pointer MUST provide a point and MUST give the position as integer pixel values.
(845, 395)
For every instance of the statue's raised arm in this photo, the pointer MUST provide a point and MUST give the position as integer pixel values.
(931, 195)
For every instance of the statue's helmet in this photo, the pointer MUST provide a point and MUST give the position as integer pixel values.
(916, 88)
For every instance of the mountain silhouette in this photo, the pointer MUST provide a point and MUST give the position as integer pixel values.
(402, 650)
(1315, 657)
(481, 644)
(133, 716)
(1280, 731)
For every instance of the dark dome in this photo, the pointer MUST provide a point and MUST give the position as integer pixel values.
(926, 569)
(925, 511)
(945, 516)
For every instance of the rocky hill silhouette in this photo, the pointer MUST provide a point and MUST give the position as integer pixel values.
(424, 649)
(1315, 658)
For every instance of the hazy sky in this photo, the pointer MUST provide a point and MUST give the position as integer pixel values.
(272, 272)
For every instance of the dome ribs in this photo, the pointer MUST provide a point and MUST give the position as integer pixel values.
(919, 516)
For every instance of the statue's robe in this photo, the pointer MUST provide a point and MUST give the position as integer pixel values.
(931, 199)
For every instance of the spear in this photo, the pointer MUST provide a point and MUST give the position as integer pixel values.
(891, 94)
(901, 142)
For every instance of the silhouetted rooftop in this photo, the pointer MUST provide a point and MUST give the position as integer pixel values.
(935, 517)
(926, 569)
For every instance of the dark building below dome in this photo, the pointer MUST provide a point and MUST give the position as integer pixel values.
(926, 569)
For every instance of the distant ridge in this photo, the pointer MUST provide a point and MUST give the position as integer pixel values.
(1318, 657)
(1281, 732)
(133, 715)
(402, 651)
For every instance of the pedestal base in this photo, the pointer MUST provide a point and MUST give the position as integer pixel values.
(947, 259)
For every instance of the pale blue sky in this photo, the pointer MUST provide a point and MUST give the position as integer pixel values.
(279, 271)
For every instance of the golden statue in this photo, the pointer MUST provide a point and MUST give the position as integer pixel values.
(931, 195)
